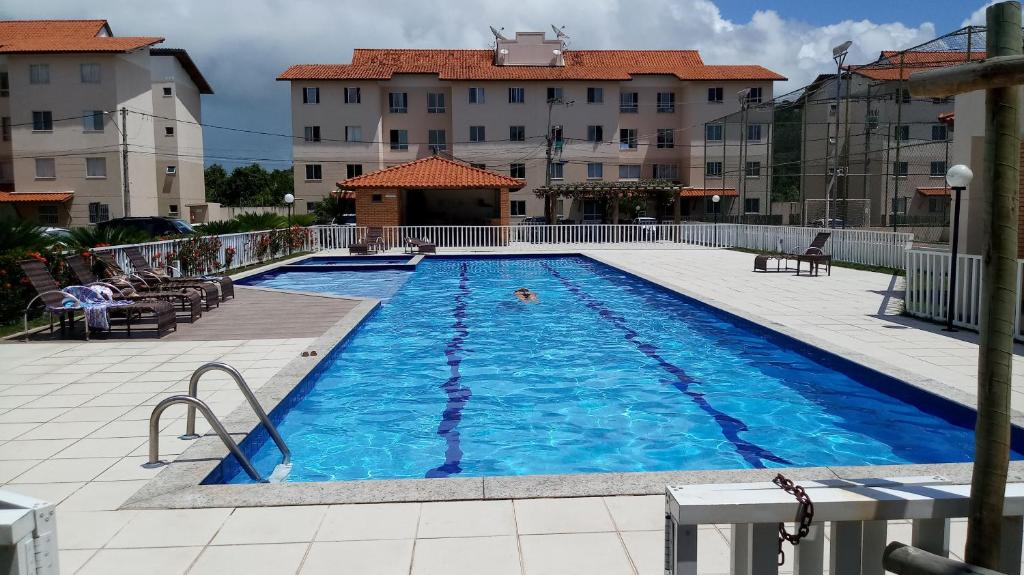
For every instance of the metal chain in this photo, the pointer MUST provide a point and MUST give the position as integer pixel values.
(804, 514)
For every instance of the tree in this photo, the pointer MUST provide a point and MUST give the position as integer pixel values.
(786, 154)
(251, 186)
(216, 178)
(281, 182)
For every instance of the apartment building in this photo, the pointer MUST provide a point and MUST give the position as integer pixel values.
(63, 84)
(893, 149)
(613, 115)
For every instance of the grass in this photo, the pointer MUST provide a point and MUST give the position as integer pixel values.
(837, 263)
(265, 263)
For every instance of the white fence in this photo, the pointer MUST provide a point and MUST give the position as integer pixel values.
(875, 248)
(928, 295)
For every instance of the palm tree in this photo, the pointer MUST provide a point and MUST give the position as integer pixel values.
(19, 235)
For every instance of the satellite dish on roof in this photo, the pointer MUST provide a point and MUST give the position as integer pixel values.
(559, 32)
(503, 51)
(497, 33)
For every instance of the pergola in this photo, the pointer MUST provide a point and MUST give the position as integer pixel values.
(622, 189)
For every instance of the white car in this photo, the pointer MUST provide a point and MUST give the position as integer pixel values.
(649, 226)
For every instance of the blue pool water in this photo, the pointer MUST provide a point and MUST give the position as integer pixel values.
(354, 260)
(452, 376)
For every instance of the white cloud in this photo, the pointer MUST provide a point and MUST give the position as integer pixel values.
(977, 18)
(241, 45)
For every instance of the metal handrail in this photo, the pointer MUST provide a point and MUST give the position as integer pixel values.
(193, 391)
(193, 403)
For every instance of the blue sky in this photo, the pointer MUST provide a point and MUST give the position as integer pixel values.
(947, 15)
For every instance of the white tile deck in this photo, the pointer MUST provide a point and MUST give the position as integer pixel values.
(73, 425)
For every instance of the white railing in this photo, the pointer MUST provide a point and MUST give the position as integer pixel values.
(928, 294)
(248, 248)
(858, 514)
(874, 248)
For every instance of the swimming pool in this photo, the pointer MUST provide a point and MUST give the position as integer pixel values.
(607, 373)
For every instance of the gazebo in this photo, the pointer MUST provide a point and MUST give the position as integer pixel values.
(431, 191)
(663, 193)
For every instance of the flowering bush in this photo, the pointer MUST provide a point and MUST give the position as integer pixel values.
(198, 254)
(229, 257)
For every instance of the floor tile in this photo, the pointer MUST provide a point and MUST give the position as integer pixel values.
(33, 449)
(250, 559)
(101, 496)
(270, 525)
(66, 470)
(89, 529)
(374, 521)
(49, 492)
(161, 561)
(390, 557)
(577, 515)
(591, 553)
(637, 513)
(467, 556)
(101, 447)
(466, 519)
(171, 528)
(11, 468)
(71, 560)
(63, 430)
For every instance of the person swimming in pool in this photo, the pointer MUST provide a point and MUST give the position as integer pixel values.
(526, 296)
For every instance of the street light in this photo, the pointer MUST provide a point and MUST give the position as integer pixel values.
(839, 55)
(289, 200)
(958, 177)
(714, 202)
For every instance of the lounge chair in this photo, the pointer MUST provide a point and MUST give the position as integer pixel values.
(813, 255)
(55, 300)
(123, 288)
(142, 267)
(420, 246)
(207, 291)
(373, 242)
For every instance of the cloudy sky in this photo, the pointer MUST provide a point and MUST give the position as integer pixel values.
(242, 45)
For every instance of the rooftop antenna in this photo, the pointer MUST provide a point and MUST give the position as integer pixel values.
(497, 33)
(560, 32)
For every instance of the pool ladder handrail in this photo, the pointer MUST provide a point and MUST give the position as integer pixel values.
(193, 391)
(218, 427)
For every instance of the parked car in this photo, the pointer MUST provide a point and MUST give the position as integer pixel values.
(828, 223)
(648, 226)
(152, 225)
(60, 235)
(533, 221)
(346, 220)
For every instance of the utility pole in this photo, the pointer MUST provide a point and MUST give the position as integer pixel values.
(125, 188)
(549, 209)
(1000, 75)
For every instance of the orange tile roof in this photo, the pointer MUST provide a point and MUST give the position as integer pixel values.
(934, 191)
(887, 67)
(431, 173)
(707, 192)
(382, 64)
(35, 197)
(57, 36)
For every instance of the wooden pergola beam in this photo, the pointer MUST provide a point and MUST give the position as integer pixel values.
(995, 72)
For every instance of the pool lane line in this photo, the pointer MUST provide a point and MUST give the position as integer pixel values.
(458, 394)
(731, 426)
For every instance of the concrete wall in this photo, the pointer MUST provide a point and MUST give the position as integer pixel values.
(183, 149)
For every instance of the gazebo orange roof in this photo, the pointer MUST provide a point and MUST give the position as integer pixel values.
(434, 173)
(708, 192)
(934, 191)
(34, 197)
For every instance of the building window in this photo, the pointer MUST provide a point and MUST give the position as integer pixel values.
(754, 132)
(627, 139)
(5, 128)
(311, 207)
(666, 102)
(938, 169)
(90, 73)
(942, 100)
(39, 74)
(353, 170)
(902, 133)
(629, 102)
(353, 133)
(937, 205)
(753, 170)
(666, 138)
(556, 135)
(517, 133)
(476, 95)
(312, 134)
(377, 198)
(478, 166)
(939, 132)
(47, 215)
(754, 96)
(353, 95)
(477, 134)
(5, 85)
(554, 94)
(98, 212)
(42, 121)
(169, 131)
(92, 121)
(516, 95)
(399, 139)
(168, 92)
(595, 171)
(899, 205)
(95, 167)
(903, 95)
(558, 171)
(666, 171)
(900, 169)
(517, 171)
(46, 169)
(312, 96)
(752, 206)
(435, 103)
(560, 207)
(595, 95)
(437, 140)
(595, 133)
(171, 170)
(629, 171)
(715, 95)
(713, 169)
(398, 102)
(517, 207)
(314, 172)
(172, 210)
(713, 132)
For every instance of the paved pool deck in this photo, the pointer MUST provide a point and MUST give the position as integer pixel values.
(73, 425)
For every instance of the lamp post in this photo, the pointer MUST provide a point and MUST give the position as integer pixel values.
(714, 202)
(744, 98)
(289, 200)
(958, 177)
(839, 55)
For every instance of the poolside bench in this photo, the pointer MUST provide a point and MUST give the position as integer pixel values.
(858, 512)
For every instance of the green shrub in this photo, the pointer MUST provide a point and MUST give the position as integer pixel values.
(252, 222)
(85, 238)
(219, 227)
(303, 220)
(22, 235)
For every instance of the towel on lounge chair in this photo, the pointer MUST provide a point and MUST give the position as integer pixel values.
(95, 303)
